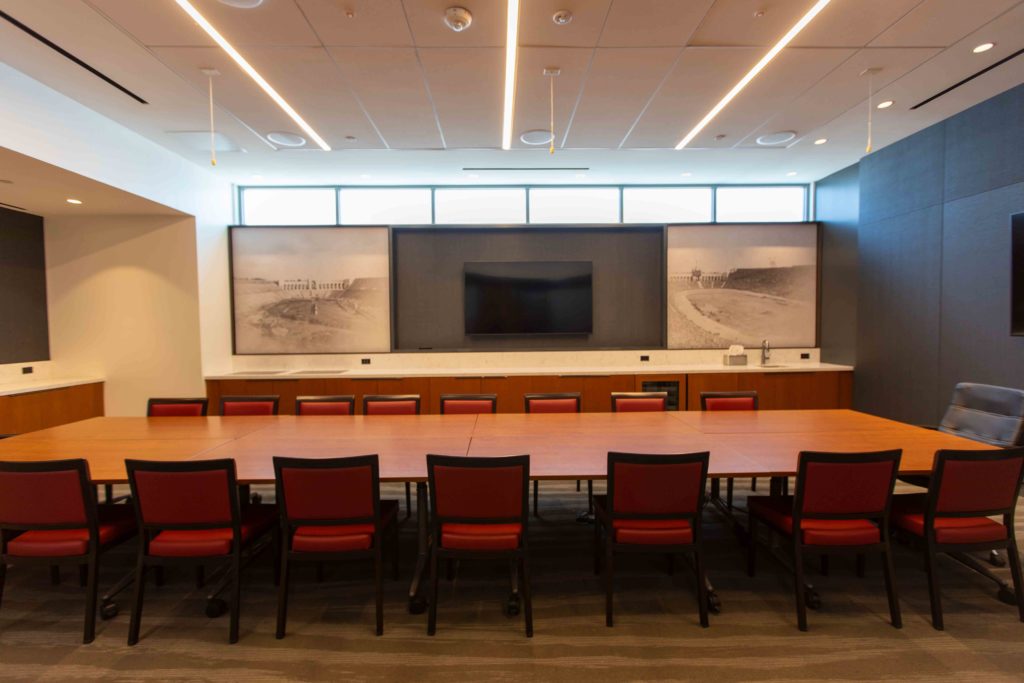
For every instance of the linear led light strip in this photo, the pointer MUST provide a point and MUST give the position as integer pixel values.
(511, 55)
(253, 73)
(790, 35)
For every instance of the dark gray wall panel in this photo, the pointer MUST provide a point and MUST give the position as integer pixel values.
(629, 306)
(837, 203)
(903, 177)
(976, 341)
(985, 146)
(898, 314)
(23, 318)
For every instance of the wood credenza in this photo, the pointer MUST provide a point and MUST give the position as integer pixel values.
(776, 390)
(32, 410)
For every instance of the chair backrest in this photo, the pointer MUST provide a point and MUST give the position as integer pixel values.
(728, 400)
(552, 403)
(328, 491)
(657, 486)
(975, 483)
(480, 490)
(325, 405)
(51, 494)
(986, 413)
(391, 404)
(177, 407)
(248, 405)
(193, 494)
(469, 404)
(845, 485)
(639, 401)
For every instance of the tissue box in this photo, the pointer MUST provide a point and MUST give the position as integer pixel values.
(734, 360)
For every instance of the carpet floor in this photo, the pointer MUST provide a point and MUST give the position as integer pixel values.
(656, 637)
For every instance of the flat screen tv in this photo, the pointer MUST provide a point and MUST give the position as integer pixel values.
(1017, 275)
(529, 297)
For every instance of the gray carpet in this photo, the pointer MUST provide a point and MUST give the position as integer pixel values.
(656, 636)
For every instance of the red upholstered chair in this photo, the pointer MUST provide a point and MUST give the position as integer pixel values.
(325, 405)
(555, 403)
(729, 400)
(49, 516)
(331, 510)
(231, 406)
(177, 407)
(654, 505)
(639, 401)
(469, 404)
(394, 404)
(479, 510)
(966, 489)
(188, 513)
(841, 507)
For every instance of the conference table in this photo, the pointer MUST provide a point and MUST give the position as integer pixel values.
(561, 446)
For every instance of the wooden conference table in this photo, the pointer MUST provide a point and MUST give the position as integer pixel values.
(570, 446)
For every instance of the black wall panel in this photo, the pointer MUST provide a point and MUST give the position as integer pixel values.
(23, 320)
(837, 200)
(904, 176)
(985, 145)
(629, 274)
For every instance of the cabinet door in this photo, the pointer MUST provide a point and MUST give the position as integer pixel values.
(597, 391)
(451, 385)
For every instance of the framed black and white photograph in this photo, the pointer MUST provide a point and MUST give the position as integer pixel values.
(310, 290)
(741, 284)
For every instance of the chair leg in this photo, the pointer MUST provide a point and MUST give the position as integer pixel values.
(200, 576)
(275, 550)
(140, 586)
(54, 575)
(671, 564)
(1018, 582)
(890, 588)
(158, 574)
(90, 599)
(408, 500)
(609, 570)
(524, 579)
(432, 607)
(450, 570)
(597, 546)
(590, 496)
(862, 563)
(3, 579)
(282, 597)
(752, 546)
(702, 587)
(933, 587)
(378, 572)
(728, 493)
(824, 565)
(394, 552)
(236, 596)
(536, 497)
(83, 575)
(753, 483)
(577, 484)
(798, 584)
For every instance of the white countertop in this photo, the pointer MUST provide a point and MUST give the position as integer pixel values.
(27, 385)
(640, 369)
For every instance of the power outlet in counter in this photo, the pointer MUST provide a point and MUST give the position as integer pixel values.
(27, 370)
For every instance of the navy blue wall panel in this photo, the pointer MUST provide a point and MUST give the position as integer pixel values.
(837, 203)
(985, 146)
(24, 329)
(904, 176)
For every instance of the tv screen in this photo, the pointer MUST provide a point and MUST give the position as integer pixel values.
(529, 297)
(1017, 275)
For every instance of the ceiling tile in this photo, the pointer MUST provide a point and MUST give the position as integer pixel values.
(734, 22)
(941, 22)
(374, 23)
(426, 19)
(389, 83)
(652, 23)
(467, 87)
(536, 27)
(852, 24)
(620, 83)
(533, 94)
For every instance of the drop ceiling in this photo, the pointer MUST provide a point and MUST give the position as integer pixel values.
(402, 99)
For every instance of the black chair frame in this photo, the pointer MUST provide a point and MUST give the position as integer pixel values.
(804, 592)
(518, 558)
(604, 534)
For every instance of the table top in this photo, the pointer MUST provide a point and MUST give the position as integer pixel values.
(571, 446)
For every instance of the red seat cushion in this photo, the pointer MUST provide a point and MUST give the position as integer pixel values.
(729, 403)
(554, 405)
(908, 514)
(639, 405)
(481, 536)
(116, 523)
(325, 408)
(341, 538)
(646, 531)
(256, 520)
(778, 511)
(463, 406)
(176, 410)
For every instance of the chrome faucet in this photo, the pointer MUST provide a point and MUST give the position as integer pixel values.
(766, 352)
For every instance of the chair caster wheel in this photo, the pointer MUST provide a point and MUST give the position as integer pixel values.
(417, 605)
(996, 560)
(215, 607)
(256, 498)
(1006, 595)
(512, 606)
(108, 610)
(714, 603)
(812, 599)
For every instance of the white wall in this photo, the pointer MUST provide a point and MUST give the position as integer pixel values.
(123, 299)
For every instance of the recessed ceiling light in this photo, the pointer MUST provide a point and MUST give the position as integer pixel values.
(791, 174)
(821, 141)
(242, 4)
(283, 139)
(885, 105)
(776, 49)
(71, 200)
(984, 47)
(251, 72)
(511, 56)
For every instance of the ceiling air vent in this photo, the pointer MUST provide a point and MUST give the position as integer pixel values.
(970, 78)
